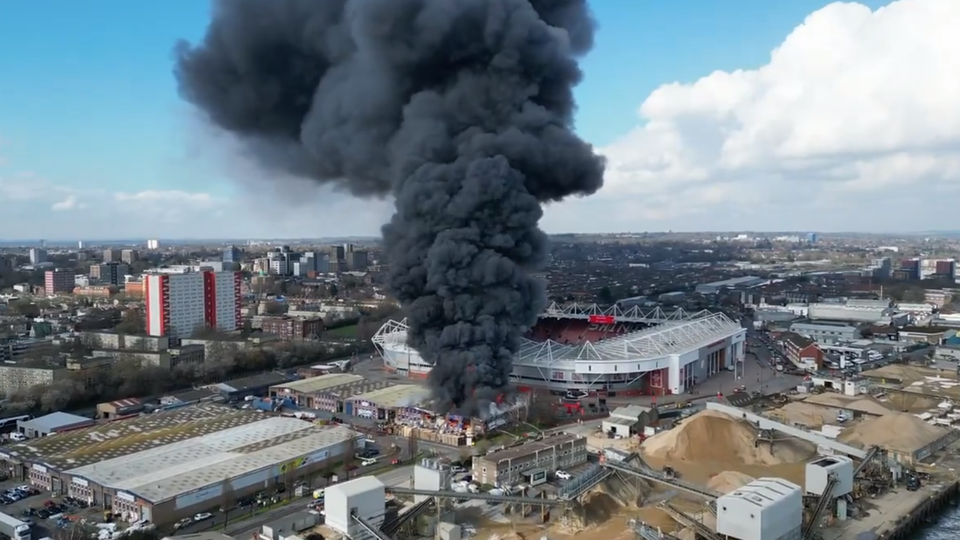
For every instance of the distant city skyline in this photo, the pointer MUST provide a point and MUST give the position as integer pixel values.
(752, 115)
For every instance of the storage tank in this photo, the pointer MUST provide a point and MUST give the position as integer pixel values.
(819, 470)
(765, 509)
(365, 494)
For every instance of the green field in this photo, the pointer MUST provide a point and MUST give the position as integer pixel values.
(344, 332)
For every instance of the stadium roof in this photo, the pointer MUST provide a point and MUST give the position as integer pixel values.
(174, 469)
(671, 337)
(633, 314)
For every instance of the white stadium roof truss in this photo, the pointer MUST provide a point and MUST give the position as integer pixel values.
(634, 314)
(674, 335)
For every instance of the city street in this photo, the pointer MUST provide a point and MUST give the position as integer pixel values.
(242, 530)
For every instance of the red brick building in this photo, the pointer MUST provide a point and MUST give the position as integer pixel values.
(797, 348)
(292, 328)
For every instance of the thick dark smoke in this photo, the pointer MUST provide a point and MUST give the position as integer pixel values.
(461, 110)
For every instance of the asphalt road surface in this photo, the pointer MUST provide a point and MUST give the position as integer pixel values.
(242, 530)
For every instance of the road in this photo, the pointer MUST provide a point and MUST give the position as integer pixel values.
(244, 528)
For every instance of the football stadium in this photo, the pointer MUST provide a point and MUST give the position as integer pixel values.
(589, 349)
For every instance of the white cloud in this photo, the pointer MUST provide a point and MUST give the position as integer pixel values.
(69, 203)
(853, 124)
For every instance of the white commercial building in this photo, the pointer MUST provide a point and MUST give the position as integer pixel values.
(765, 509)
(177, 304)
(356, 509)
(852, 311)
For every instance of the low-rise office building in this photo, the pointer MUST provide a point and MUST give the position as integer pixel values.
(508, 466)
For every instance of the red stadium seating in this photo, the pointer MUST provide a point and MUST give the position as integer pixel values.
(576, 331)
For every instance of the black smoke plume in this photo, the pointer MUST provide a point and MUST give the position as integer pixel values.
(461, 110)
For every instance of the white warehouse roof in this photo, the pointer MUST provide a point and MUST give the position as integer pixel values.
(167, 471)
(764, 492)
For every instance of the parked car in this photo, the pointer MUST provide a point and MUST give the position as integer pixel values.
(202, 516)
(563, 475)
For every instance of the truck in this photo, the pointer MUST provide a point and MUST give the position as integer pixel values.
(12, 528)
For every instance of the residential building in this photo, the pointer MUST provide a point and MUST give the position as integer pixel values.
(129, 256)
(232, 254)
(17, 377)
(167, 359)
(356, 260)
(153, 245)
(292, 328)
(937, 297)
(112, 255)
(507, 467)
(880, 268)
(14, 348)
(38, 256)
(910, 268)
(58, 281)
(178, 304)
(96, 291)
(800, 349)
(5, 264)
(109, 273)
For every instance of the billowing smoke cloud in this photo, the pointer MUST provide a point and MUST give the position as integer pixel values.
(461, 110)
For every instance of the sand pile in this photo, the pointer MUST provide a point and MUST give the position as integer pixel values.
(728, 481)
(711, 436)
(894, 431)
(599, 507)
(805, 414)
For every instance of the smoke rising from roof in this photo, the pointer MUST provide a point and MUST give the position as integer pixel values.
(461, 111)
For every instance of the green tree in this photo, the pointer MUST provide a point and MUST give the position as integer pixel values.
(605, 296)
(133, 323)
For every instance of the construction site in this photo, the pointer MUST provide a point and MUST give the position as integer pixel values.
(816, 465)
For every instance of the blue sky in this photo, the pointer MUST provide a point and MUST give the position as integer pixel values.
(87, 99)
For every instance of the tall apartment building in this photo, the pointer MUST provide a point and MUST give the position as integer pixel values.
(112, 255)
(232, 254)
(38, 255)
(909, 269)
(129, 256)
(58, 281)
(357, 260)
(112, 273)
(153, 245)
(177, 304)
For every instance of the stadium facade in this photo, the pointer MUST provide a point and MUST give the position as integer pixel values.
(588, 348)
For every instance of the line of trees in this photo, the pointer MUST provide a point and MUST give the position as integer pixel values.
(128, 378)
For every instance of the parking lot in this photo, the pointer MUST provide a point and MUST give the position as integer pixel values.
(45, 513)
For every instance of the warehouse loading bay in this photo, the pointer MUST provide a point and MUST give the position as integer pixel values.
(720, 474)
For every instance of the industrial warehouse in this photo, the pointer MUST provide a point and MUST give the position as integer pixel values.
(166, 466)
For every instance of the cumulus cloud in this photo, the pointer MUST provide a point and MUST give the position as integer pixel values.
(70, 203)
(853, 124)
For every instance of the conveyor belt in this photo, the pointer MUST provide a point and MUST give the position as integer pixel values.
(825, 499)
(390, 528)
(477, 496)
(377, 533)
(658, 477)
(682, 518)
(874, 450)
